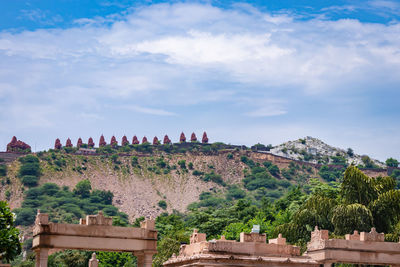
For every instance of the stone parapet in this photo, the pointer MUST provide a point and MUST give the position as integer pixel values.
(239, 260)
(250, 249)
(363, 248)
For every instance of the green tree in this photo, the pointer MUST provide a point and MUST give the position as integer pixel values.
(83, 188)
(391, 162)
(10, 247)
(165, 248)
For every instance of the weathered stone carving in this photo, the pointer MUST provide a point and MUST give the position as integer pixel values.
(193, 138)
(135, 140)
(68, 143)
(98, 219)
(318, 238)
(79, 143)
(148, 224)
(197, 237)
(90, 142)
(182, 138)
(113, 141)
(354, 236)
(124, 141)
(373, 235)
(253, 237)
(93, 262)
(144, 140)
(166, 140)
(279, 240)
(102, 141)
(155, 141)
(204, 140)
(17, 146)
(57, 144)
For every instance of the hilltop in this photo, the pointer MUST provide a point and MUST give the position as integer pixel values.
(313, 150)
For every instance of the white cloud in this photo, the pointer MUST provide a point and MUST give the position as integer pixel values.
(147, 110)
(197, 58)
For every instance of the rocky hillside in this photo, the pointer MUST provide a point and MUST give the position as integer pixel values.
(313, 150)
(147, 181)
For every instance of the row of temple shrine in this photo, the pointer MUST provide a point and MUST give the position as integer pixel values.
(124, 142)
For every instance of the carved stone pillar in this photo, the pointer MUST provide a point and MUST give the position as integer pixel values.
(144, 259)
(42, 256)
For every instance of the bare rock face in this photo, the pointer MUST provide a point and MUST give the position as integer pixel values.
(79, 143)
(114, 141)
(193, 138)
(90, 142)
(102, 141)
(204, 140)
(182, 138)
(18, 146)
(125, 141)
(68, 143)
(135, 140)
(144, 140)
(167, 140)
(155, 141)
(313, 150)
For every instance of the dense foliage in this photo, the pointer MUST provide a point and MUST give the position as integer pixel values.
(10, 246)
(29, 171)
(64, 205)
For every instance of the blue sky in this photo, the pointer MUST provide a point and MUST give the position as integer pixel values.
(245, 72)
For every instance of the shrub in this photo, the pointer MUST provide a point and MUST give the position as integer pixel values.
(204, 195)
(234, 192)
(31, 168)
(115, 159)
(229, 156)
(284, 183)
(197, 173)
(61, 162)
(330, 174)
(267, 164)
(134, 161)
(104, 197)
(161, 163)
(162, 204)
(261, 179)
(212, 176)
(8, 194)
(182, 164)
(339, 160)
(30, 180)
(190, 165)
(110, 211)
(273, 169)
(29, 159)
(3, 170)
